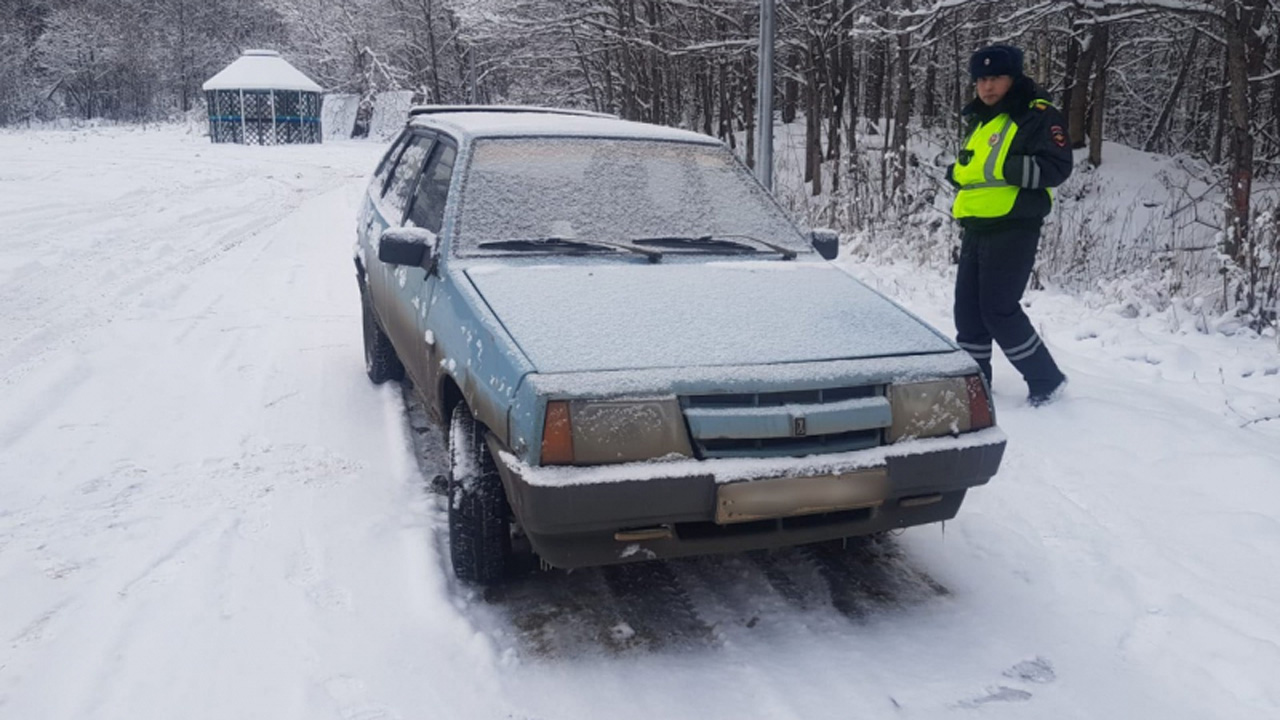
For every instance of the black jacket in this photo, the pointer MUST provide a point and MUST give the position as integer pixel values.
(1039, 158)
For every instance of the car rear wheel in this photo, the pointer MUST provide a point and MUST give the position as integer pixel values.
(380, 359)
(479, 517)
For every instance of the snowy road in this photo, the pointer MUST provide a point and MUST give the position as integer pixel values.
(206, 511)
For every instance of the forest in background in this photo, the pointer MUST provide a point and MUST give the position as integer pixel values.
(870, 81)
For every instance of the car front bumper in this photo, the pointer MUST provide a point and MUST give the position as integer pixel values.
(601, 515)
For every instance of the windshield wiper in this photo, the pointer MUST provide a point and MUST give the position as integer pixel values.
(717, 243)
(573, 244)
(705, 242)
(786, 252)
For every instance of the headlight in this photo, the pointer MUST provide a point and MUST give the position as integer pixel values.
(596, 432)
(939, 407)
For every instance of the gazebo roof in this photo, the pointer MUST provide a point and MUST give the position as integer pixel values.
(261, 70)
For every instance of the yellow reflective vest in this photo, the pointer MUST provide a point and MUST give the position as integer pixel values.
(983, 191)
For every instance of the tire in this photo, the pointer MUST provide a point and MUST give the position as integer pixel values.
(380, 359)
(479, 517)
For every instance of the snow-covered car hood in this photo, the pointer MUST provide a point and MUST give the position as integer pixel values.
(573, 318)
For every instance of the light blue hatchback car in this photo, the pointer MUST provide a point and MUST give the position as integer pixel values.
(635, 354)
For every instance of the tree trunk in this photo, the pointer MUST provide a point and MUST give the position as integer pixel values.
(929, 114)
(1077, 111)
(1101, 39)
(726, 107)
(1244, 50)
(429, 18)
(1220, 129)
(749, 111)
(657, 110)
(791, 89)
(875, 82)
(851, 93)
(902, 115)
(835, 105)
(707, 81)
(813, 128)
(609, 102)
(1069, 75)
(1044, 55)
(1275, 111)
(814, 143)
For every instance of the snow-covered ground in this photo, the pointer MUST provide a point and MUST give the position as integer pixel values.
(206, 511)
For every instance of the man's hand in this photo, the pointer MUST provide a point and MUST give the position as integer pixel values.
(951, 176)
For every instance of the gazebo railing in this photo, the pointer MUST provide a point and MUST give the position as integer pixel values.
(264, 117)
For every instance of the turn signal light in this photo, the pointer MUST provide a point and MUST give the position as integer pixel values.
(557, 435)
(979, 404)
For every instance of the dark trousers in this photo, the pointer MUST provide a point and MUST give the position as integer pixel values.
(993, 273)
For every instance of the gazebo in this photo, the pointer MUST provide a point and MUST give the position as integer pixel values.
(260, 99)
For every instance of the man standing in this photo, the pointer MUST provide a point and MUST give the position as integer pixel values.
(1016, 151)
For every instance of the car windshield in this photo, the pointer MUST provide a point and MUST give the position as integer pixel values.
(597, 189)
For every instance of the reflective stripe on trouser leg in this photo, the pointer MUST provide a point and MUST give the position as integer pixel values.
(1005, 262)
(981, 354)
(1023, 351)
(1038, 368)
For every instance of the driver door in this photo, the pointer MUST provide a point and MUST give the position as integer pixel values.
(426, 211)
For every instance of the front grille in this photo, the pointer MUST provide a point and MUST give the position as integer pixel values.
(798, 446)
(724, 408)
(776, 399)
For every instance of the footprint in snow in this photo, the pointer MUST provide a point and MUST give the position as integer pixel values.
(1038, 670)
(997, 694)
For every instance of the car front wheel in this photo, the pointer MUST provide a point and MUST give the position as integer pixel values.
(380, 359)
(479, 517)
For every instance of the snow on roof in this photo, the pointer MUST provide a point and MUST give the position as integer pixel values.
(261, 70)
(515, 122)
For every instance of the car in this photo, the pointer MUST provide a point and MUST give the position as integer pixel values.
(634, 353)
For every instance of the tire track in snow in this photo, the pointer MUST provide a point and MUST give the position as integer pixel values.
(45, 317)
(868, 576)
(671, 606)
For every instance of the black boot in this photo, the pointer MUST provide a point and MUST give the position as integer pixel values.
(1042, 393)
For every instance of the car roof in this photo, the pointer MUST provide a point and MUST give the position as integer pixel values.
(478, 121)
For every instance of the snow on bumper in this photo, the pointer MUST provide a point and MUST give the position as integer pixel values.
(584, 515)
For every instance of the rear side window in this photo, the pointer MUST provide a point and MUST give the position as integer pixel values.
(433, 191)
(405, 175)
(388, 161)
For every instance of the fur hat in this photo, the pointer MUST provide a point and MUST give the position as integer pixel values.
(996, 60)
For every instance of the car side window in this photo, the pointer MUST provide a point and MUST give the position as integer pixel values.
(388, 161)
(405, 175)
(433, 190)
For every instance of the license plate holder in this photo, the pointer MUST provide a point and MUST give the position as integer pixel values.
(775, 498)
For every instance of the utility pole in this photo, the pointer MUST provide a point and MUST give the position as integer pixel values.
(764, 96)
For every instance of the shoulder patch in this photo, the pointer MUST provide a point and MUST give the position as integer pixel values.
(1041, 104)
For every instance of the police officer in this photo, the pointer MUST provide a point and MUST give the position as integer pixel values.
(1017, 150)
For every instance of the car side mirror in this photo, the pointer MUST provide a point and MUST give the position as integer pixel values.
(826, 242)
(411, 246)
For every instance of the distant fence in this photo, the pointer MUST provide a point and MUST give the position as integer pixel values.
(390, 110)
(338, 115)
